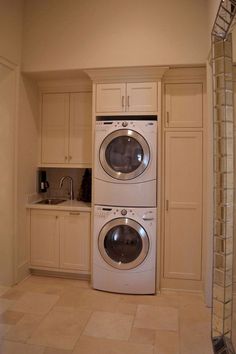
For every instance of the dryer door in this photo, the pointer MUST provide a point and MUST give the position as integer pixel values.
(124, 154)
(123, 243)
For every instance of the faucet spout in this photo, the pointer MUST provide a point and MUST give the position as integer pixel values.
(71, 185)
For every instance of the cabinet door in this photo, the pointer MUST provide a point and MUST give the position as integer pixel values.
(110, 98)
(44, 238)
(184, 105)
(80, 141)
(141, 97)
(183, 209)
(75, 241)
(55, 127)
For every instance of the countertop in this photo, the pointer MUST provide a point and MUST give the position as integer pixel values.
(67, 205)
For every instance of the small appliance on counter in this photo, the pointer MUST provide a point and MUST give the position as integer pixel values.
(43, 184)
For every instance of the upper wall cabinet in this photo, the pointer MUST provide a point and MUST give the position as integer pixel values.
(184, 105)
(66, 129)
(126, 97)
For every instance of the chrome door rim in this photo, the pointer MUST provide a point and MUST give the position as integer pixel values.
(137, 227)
(121, 175)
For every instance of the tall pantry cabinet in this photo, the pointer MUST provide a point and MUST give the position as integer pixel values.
(183, 183)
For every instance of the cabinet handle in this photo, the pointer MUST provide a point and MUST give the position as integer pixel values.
(167, 117)
(167, 205)
(127, 101)
(74, 213)
(123, 101)
(56, 216)
(66, 158)
(70, 157)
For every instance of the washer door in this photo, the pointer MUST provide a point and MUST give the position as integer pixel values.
(124, 154)
(123, 243)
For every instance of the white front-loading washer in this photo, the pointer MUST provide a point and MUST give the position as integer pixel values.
(125, 169)
(124, 250)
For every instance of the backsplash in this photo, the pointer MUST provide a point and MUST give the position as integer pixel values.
(53, 177)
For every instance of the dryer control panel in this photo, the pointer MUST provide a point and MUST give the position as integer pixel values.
(142, 214)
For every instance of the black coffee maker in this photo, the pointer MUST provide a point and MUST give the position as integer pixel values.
(43, 184)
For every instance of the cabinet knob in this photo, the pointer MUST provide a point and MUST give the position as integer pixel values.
(65, 158)
(70, 157)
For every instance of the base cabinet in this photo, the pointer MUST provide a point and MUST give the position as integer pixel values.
(60, 240)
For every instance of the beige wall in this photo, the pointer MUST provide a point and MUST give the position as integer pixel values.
(11, 29)
(7, 176)
(27, 160)
(74, 34)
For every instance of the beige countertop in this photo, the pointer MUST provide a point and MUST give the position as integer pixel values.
(67, 205)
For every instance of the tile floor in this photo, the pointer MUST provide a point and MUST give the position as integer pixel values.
(43, 315)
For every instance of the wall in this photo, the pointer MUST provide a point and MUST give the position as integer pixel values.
(10, 57)
(75, 34)
(7, 181)
(11, 29)
(27, 157)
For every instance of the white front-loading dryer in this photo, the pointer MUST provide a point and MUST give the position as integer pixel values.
(124, 250)
(125, 157)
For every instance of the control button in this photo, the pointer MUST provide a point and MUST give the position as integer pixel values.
(123, 212)
(124, 124)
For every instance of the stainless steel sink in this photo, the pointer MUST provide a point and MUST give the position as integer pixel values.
(52, 201)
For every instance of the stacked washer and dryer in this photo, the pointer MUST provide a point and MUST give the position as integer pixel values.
(125, 200)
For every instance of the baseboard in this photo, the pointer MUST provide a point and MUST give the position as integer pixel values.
(22, 272)
(51, 273)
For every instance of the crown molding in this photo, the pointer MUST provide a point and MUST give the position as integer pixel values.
(146, 73)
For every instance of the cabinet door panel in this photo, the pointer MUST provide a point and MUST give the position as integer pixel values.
(141, 97)
(183, 214)
(184, 105)
(110, 98)
(80, 142)
(75, 241)
(55, 126)
(44, 239)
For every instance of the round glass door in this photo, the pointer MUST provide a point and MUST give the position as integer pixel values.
(123, 243)
(124, 154)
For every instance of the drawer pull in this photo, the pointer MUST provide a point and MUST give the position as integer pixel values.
(74, 213)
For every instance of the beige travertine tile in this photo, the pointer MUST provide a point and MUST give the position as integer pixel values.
(5, 304)
(88, 299)
(19, 348)
(13, 294)
(56, 351)
(169, 299)
(89, 345)
(35, 303)
(24, 328)
(3, 289)
(109, 325)
(142, 335)
(167, 342)
(4, 328)
(10, 317)
(156, 317)
(43, 285)
(60, 329)
(126, 308)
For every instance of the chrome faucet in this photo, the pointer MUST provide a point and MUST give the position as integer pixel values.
(71, 186)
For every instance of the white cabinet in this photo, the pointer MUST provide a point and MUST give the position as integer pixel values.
(60, 240)
(44, 240)
(184, 105)
(126, 97)
(183, 205)
(75, 241)
(66, 129)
